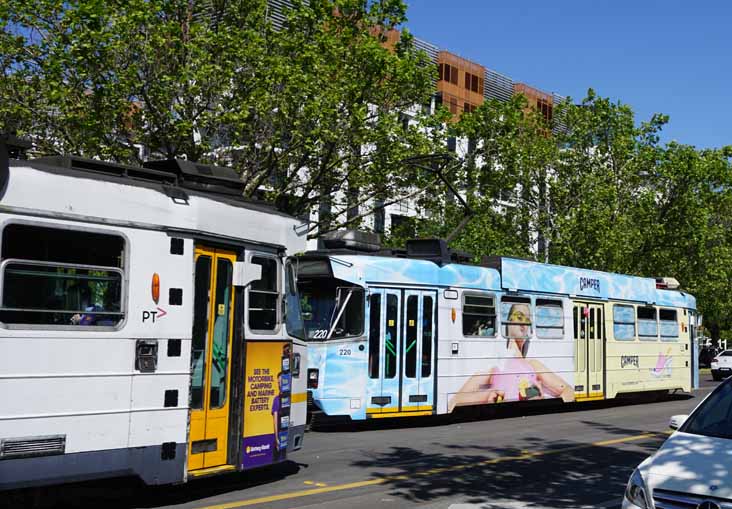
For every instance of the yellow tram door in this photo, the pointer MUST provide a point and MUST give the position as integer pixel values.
(211, 358)
(589, 340)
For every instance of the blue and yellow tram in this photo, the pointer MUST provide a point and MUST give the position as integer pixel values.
(420, 332)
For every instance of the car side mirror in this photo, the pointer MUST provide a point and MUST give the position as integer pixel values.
(676, 421)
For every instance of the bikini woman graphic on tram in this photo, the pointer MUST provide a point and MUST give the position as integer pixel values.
(517, 378)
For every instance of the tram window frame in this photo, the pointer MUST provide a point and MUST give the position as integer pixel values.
(675, 322)
(278, 300)
(549, 303)
(479, 295)
(505, 324)
(56, 255)
(646, 337)
(621, 322)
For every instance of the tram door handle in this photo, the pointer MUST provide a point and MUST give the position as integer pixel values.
(146, 355)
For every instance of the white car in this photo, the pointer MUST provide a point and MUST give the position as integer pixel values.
(693, 468)
(722, 365)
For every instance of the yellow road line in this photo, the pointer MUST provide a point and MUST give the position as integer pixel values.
(425, 473)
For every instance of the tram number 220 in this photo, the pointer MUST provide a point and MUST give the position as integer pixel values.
(344, 351)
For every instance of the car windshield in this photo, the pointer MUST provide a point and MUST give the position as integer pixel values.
(331, 309)
(726, 353)
(714, 417)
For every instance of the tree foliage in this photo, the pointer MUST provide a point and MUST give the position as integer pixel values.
(306, 113)
(312, 114)
(598, 191)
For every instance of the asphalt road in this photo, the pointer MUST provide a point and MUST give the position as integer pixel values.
(572, 456)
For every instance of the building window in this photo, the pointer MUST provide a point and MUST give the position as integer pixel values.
(479, 315)
(404, 121)
(403, 225)
(472, 145)
(264, 296)
(453, 106)
(669, 324)
(60, 277)
(379, 217)
(449, 73)
(468, 108)
(451, 144)
(543, 106)
(474, 83)
(624, 323)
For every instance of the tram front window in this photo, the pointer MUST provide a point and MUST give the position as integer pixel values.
(331, 310)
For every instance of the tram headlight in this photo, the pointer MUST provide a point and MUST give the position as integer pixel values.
(313, 378)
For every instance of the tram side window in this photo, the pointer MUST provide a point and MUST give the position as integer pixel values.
(61, 277)
(264, 296)
(624, 323)
(669, 324)
(647, 324)
(479, 315)
(549, 319)
(516, 317)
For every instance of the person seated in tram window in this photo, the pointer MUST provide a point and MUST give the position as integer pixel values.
(518, 378)
(482, 328)
(92, 314)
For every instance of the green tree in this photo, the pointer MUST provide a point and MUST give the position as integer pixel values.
(599, 192)
(504, 178)
(303, 112)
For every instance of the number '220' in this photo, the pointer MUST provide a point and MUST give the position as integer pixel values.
(344, 351)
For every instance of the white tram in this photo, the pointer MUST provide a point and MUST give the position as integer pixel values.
(144, 324)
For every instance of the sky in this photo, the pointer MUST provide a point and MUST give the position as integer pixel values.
(672, 56)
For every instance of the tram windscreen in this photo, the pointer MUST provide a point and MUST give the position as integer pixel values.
(331, 309)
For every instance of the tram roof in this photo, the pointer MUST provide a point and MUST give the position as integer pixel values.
(503, 274)
(51, 187)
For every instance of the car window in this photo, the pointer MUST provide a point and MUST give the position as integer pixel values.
(714, 417)
(726, 353)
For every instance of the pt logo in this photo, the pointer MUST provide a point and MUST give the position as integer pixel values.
(153, 315)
